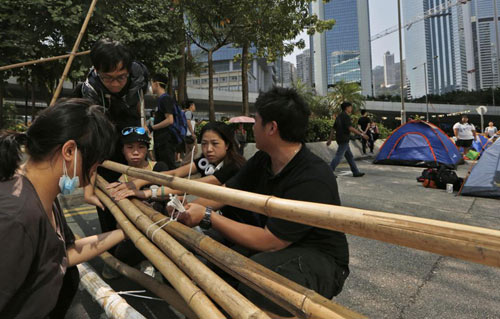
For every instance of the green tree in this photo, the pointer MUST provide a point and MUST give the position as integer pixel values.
(318, 104)
(258, 27)
(210, 25)
(345, 92)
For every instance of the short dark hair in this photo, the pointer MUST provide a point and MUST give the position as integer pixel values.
(345, 105)
(106, 54)
(288, 109)
(161, 78)
(188, 103)
(363, 112)
(69, 119)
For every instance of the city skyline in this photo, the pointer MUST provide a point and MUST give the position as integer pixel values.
(383, 15)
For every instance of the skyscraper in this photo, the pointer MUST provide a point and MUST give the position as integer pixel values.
(304, 67)
(487, 47)
(389, 70)
(347, 49)
(438, 47)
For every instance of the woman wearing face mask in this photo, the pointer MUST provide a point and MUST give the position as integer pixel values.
(64, 146)
(220, 161)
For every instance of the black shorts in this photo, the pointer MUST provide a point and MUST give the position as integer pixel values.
(464, 143)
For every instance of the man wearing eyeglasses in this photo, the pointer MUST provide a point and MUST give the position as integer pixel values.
(115, 81)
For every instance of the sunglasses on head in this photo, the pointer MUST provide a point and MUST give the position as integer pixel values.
(139, 130)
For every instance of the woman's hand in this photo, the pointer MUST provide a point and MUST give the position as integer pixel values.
(118, 186)
(142, 194)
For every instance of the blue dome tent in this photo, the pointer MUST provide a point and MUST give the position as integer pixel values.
(419, 143)
(481, 143)
(484, 179)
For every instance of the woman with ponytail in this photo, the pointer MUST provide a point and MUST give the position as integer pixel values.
(63, 147)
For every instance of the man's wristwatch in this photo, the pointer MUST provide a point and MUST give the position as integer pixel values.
(150, 128)
(154, 191)
(206, 222)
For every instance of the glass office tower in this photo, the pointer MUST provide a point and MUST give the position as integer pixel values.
(487, 48)
(348, 51)
(440, 43)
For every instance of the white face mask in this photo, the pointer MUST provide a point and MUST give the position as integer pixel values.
(68, 185)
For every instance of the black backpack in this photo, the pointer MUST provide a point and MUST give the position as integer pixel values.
(447, 176)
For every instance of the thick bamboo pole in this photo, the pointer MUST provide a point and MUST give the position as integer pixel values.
(193, 295)
(300, 301)
(113, 304)
(218, 289)
(73, 52)
(168, 294)
(42, 60)
(480, 245)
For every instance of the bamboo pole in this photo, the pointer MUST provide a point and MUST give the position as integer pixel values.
(477, 244)
(73, 52)
(300, 301)
(42, 60)
(168, 294)
(218, 289)
(193, 295)
(113, 304)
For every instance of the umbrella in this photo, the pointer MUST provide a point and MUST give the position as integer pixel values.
(242, 119)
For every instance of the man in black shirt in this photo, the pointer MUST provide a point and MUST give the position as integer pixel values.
(363, 123)
(115, 82)
(343, 128)
(315, 258)
(164, 139)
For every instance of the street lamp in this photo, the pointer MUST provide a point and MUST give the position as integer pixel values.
(426, 87)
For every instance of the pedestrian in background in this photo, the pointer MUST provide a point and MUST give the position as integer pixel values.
(190, 139)
(363, 123)
(342, 129)
(490, 130)
(165, 141)
(465, 133)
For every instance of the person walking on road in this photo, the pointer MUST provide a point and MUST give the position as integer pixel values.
(363, 124)
(343, 127)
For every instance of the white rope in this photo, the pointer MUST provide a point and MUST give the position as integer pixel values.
(161, 220)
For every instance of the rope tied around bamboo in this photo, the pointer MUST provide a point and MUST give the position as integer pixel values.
(477, 244)
(218, 289)
(300, 301)
(191, 294)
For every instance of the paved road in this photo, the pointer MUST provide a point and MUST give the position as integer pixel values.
(386, 281)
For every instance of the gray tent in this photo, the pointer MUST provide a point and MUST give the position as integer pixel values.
(484, 179)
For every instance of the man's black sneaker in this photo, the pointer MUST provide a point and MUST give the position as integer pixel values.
(359, 174)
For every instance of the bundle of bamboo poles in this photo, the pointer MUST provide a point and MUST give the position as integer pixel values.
(476, 244)
(179, 266)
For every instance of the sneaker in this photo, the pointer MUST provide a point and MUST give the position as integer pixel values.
(109, 273)
(358, 174)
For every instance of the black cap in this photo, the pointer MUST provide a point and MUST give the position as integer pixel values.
(135, 137)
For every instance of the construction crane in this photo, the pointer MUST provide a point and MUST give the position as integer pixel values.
(437, 11)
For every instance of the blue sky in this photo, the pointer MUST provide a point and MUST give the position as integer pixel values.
(383, 15)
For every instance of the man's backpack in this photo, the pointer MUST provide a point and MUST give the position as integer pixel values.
(179, 127)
